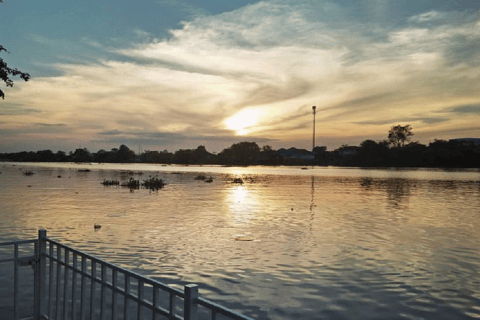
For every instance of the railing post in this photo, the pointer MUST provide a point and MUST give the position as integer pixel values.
(190, 303)
(41, 273)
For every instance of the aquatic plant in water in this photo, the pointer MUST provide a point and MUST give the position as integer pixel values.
(153, 183)
(132, 184)
(111, 182)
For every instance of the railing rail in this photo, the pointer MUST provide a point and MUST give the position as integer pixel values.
(71, 284)
(20, 261)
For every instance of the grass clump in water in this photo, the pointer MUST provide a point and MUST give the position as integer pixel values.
(111, 182)
(153, 183)
(132, 184)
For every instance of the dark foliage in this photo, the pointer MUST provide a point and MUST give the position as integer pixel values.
(6, 73)
(439, 153)
(111, 183)
(241, 153)
(120, 155)
(399, 135)
(153, 183)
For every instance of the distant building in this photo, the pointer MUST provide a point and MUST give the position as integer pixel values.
(468, 141)
(348, 150)
(296, 154)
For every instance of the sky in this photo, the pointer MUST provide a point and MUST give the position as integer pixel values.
(176, 74)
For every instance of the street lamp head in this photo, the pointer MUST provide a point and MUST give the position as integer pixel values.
(314, 108)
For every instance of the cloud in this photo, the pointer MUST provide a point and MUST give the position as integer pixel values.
(16, 109)
(41, 39)
(33, 129)
(426, 17)
(111, 132)
(175, 141)
(427, 120)
(464, 110)
(186, 8)
(51, 124)
(277, 58)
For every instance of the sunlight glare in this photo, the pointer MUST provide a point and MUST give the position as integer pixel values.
(242, 120)
(239, 194)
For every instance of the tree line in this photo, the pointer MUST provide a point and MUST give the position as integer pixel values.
(242, 153)
(398, 150)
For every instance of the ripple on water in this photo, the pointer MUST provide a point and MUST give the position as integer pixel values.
(358, 244)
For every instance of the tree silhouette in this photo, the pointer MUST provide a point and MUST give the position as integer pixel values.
(398, 135)
(266, 148)
(240, 153)
(6, 72)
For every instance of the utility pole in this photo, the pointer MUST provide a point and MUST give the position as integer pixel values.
(313, 143)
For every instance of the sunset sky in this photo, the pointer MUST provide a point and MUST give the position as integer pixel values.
(172, 74)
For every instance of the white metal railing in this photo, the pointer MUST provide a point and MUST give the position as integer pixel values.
(70, 284)
(20, 261)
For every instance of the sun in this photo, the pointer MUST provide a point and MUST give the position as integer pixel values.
(241, 121)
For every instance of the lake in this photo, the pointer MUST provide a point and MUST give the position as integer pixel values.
(288, 243)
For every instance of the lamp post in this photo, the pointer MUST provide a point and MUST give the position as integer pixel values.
(313, 143)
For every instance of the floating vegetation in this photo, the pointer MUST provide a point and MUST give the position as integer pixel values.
(250, 179)
(153, 183)
(237, 180)
(131, 172)
(83, 170)
(132, 184)
(243, 238)
(28, 173)
(111, 182)
(200, 177)
(209, 180)
(240, 179)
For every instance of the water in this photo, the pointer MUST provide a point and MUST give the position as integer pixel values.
(323, 243)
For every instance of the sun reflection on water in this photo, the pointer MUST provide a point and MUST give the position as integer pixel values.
(242, 204)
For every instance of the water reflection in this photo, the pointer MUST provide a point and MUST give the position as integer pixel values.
(243, 204)
(312, 202)
(280, 246)
(397, 190)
